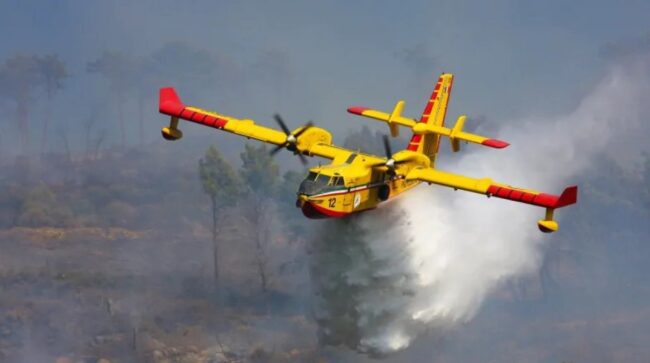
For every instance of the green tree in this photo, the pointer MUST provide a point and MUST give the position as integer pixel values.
(365, 141)
(53, 72)
(259, 170)
(261, 174)
(42, 208)
(121, 71)
(221, 184)
(145, 89)
(19, 76)
(288, 187)
(286, 198)
(180, 65)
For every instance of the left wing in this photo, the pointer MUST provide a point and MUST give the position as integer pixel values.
(488, 187)
(314, 142)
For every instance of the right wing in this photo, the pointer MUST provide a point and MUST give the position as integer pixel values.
(488, 187)
(315, 142)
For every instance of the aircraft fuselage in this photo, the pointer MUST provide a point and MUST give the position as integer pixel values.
(335, 191)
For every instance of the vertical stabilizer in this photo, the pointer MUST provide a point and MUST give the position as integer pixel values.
(433, 114)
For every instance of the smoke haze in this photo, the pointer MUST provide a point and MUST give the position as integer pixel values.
(427, 261)
(101, 235)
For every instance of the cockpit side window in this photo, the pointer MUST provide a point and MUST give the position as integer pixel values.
(312, 176)
(336, 181)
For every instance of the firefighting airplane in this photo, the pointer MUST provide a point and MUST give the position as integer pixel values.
(354, 181)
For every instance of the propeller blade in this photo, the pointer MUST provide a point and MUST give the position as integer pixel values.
(389, 152)
(303, 159)
(281, 123)
(277, 149)
(305, 128)
(291, 138)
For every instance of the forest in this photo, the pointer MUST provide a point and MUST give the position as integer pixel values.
(117, 247)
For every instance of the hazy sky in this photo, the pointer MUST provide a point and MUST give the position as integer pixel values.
(513, 61)
(511, 58)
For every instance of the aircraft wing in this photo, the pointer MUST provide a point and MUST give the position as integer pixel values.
(315, 142)
(490, 188)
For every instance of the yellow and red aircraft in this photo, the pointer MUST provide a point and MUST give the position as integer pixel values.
(354, 182)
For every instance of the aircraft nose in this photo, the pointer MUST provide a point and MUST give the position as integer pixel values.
(302, 199)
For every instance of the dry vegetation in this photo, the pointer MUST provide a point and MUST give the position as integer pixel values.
(122, 274)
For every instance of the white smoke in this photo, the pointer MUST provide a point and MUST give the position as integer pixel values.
(449, 250)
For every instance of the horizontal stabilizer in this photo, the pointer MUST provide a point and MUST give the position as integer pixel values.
(455, 134)
(392, 119)
(497, 144)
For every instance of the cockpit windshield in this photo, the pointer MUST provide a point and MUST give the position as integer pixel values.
(318, 183)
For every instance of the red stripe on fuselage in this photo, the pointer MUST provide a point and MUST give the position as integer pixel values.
(311, 210)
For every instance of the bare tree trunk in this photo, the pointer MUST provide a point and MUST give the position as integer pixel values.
(48, 117)
(215, 247)
(261, 263)
(134, 339)
(546, 279)
(141, 120)
(87, 128)
(68, 153)
(23, 124)
(66, 145)
(98, 143)
(261, 240)
(120, 115)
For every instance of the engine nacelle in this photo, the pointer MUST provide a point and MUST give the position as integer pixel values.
(315, 135)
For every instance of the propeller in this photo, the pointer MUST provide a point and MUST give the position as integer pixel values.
(292, 139)
(390, 163)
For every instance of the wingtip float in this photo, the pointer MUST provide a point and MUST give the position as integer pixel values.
(354, 181)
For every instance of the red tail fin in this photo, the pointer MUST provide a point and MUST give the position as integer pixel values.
(169, 103)
(569, 196)
(433, 114)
